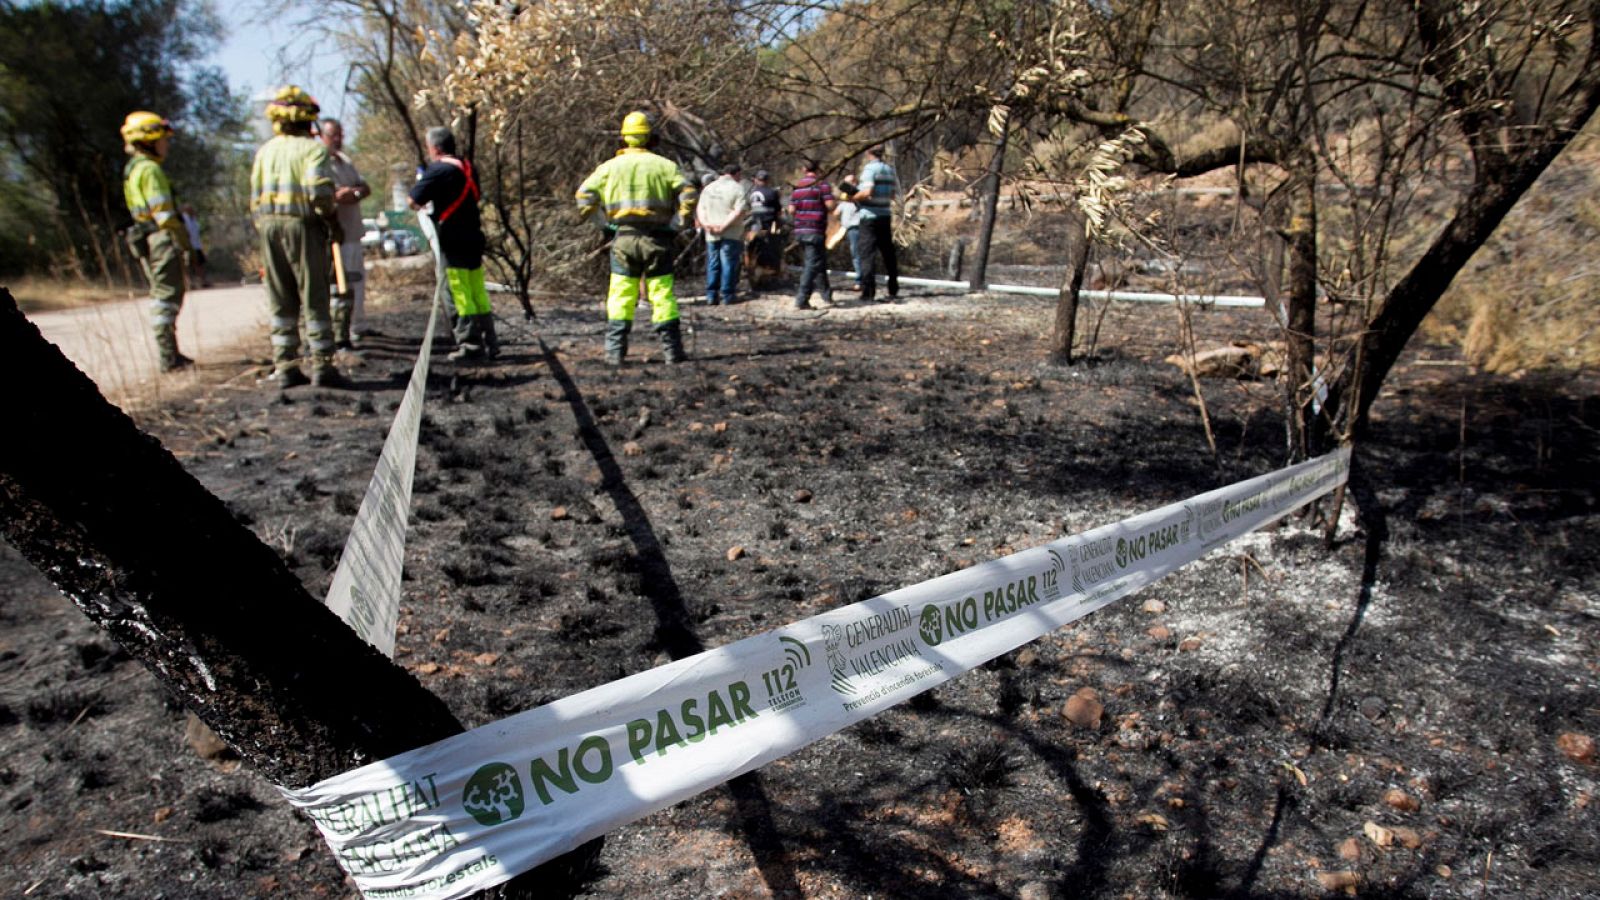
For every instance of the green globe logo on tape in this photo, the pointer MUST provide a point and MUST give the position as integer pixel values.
(931, 629)
(493, 794)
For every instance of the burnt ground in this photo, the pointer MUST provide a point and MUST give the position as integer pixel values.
(1434, 672)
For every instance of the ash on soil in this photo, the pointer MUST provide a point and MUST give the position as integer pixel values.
(573, 523)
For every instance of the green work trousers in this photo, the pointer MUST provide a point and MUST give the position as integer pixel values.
(474, 329)
(294, 251)
(641, 262)
(162, 261)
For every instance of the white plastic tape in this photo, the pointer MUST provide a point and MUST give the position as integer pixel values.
(475, 809)
(365, 591)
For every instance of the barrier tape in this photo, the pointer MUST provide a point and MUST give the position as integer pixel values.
(365, 591)
(476, 809)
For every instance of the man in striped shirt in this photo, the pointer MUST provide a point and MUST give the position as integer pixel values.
(810, 202)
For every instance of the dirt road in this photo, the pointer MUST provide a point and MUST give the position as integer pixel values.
(111, 342)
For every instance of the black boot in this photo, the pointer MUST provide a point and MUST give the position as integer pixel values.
(671, 341)
(617, 341)
(491, 341)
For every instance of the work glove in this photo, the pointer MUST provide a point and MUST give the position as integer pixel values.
(335, 232)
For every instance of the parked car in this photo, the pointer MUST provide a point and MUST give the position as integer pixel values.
(371, 236)
(400, 243)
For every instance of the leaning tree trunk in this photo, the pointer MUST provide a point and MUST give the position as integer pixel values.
(1496, 191)
(1066, 327)
(1509, 161)
(156, 560)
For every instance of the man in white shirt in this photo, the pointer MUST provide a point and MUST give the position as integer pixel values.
(723, 206)
(349, 189)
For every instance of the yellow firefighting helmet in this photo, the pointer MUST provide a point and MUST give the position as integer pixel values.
(142, 127)
(292, 104)
(635, 128)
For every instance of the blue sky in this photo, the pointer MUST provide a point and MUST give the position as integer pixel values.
(260, 55)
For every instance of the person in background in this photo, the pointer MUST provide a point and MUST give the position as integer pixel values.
(876, 196)
(763, 203)
(850, 221)
(449, 189)
(764, 240)
(721, 212)
(157, 238)
(640, 194)
(810, 202)
(197, 254)
(291, 200)
(349, 189)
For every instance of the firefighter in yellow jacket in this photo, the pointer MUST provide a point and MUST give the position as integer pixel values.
(158, 237)
(291, 200)
(639, 193)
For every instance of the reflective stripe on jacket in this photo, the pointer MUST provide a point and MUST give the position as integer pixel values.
(149, 195)
(292, 176)
(638, 188)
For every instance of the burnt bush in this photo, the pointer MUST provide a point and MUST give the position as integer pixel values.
(987, 767)
(213, 805)
(65, 706)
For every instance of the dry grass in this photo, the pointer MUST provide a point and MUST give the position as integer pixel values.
(1527, 300)
(39, 294)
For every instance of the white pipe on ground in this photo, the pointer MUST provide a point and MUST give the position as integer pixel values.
(1122, 296)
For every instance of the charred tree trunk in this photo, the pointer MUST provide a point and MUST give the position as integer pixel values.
(1300, 317)
(1066, 328)
(991, 205)
(514, 226)
(151, 556)
(1272, 278)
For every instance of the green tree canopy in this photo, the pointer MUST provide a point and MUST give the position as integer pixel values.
(69, 73)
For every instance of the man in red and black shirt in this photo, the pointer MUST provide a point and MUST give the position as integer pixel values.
(810, 202)
(449, 185)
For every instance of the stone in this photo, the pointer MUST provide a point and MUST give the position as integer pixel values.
(1159, 632)
(632, 448)
(1343, 880)
(205, 742)
(1395, 798)
(1378, 834)
(1233, 361)
(1578, 747)
(802, 496)
(1373, 708)
(735, 552)
(1407, 837)
(1034, 890)
(560, 514)
(1084, 708)
(1154, 821)
(1154, 607)
(1350, 850)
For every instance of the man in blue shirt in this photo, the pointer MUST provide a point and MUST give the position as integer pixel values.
(876, 197)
